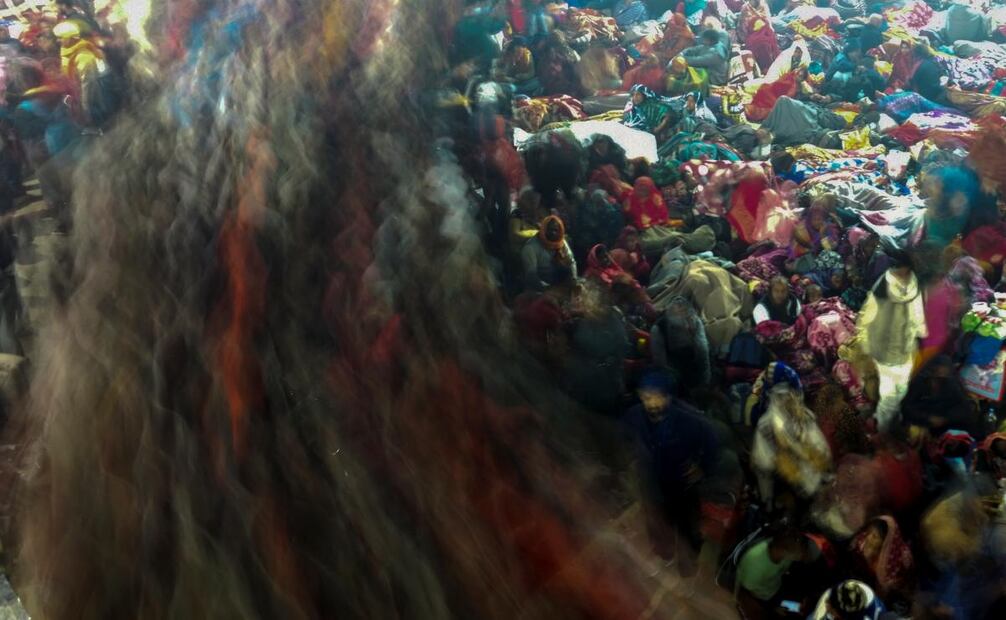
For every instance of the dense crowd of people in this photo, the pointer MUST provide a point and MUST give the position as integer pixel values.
(774, 260)
(790, 302)
(62, 80)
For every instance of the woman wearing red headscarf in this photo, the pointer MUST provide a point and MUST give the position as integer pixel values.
(903, 65)
(602, 267)
(645, 207)
(882, 552)
(755, 30)
(677, 36)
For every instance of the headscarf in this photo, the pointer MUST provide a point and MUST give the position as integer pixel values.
(783, 63)
(968, 273)
(776, 373)
(646, 211)
(947, 224)
(648, 114)
(677, 36)
(604, 273)
(987, 460)
(903, 66)
(683, 79)
(642, 88)
(954, 448)
(555, 246)
(816, 237)
(894, 563)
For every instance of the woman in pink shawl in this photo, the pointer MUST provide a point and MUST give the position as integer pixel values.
(601, 266)
(628, 253)
(946, 302)
(883, 553)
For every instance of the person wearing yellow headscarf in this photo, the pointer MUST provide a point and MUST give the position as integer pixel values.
(82, 61)
(80, 57)
(683, 79)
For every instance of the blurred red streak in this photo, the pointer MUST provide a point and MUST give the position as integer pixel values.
(243, 304)
(470, 446)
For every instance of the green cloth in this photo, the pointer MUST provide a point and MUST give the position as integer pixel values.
(694, 80)
(647, 115)
(758, 574)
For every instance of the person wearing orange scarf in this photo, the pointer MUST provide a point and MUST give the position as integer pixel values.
(677, 36)
(649, 73)
(644, 207)
(547, 258)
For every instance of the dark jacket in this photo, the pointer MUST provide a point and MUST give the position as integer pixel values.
(669, 448)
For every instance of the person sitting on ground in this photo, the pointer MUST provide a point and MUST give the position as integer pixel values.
(647, 112)
(928, 78)
(936, 400)
(644, 206)
(547, 258)
(778, 304)
(683, 79)
(816, 232)
(516, 67)
(525, 221)
(604, 150)
(761, 570)
(629, 254)
(650, 73)
(712, 54)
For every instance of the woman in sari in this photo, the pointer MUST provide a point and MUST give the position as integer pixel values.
(946, 302)
(601, 266)
(516, 67)
(647, 112)
(883, 553)
(756, 32)
(745, 200)
(815, 232)
(683, 79)
(649, 73)
(677, 37)
(628, 253)
(644, 207)
(903, 65)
